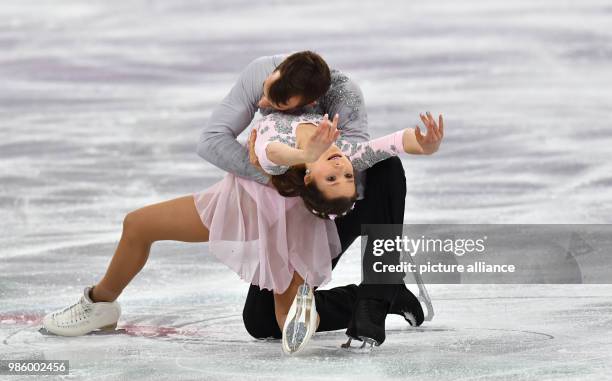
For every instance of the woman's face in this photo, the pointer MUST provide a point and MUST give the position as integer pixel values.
(333, 174)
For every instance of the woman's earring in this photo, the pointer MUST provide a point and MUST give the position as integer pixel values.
(307, 171)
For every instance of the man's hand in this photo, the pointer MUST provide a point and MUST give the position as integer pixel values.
(324, 136)
(252, 156)
(417, 143)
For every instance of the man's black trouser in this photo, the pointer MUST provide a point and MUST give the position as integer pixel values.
(385, 195)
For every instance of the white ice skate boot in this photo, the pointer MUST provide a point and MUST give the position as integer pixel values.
(83, 317)
(301, 322)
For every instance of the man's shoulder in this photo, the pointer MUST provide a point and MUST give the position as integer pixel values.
(342, 91)
(338, 77)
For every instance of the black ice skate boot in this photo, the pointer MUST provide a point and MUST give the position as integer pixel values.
(368, 322)
(408, 306)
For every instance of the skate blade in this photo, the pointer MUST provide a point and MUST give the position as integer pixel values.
(298, 330)
(101, 332)
(367, 345)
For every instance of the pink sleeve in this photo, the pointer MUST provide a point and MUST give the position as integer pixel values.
(366, 154)
(266, 164)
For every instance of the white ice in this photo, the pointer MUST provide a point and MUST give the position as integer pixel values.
(101, 105)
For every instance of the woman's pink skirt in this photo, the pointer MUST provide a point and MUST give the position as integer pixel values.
(263, 236)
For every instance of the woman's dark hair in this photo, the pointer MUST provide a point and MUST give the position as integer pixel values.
(304, 74)
(291, 184)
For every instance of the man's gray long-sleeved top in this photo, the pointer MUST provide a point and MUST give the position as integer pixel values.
(218, 144)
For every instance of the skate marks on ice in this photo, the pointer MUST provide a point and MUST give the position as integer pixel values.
(147, 326)
(210, 344)
(477, 339)
(211, 331)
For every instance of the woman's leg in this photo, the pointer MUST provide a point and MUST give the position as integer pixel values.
(282, 302)
(175, 220)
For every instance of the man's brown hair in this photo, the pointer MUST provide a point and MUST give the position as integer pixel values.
(303, 74)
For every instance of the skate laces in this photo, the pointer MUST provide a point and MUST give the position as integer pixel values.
(77, 312)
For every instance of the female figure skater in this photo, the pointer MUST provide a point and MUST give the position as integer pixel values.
(314, 163)
(270, 241)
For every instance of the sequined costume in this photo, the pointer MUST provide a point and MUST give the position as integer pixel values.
(281, 127)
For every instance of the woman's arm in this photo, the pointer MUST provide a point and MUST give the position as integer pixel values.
(281, 154)
(365, 155)
(323, 137)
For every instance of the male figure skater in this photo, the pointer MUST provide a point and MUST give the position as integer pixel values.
(303, 82)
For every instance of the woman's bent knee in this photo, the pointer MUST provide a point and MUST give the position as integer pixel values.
(134, 227)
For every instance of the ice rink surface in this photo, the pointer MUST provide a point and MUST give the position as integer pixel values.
(101, 106)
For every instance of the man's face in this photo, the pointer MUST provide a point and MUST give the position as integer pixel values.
(265, 102)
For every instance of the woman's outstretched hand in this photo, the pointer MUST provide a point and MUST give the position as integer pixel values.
(324, 136)
(417, 143)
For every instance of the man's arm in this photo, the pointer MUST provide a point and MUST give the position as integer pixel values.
(218, 144)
